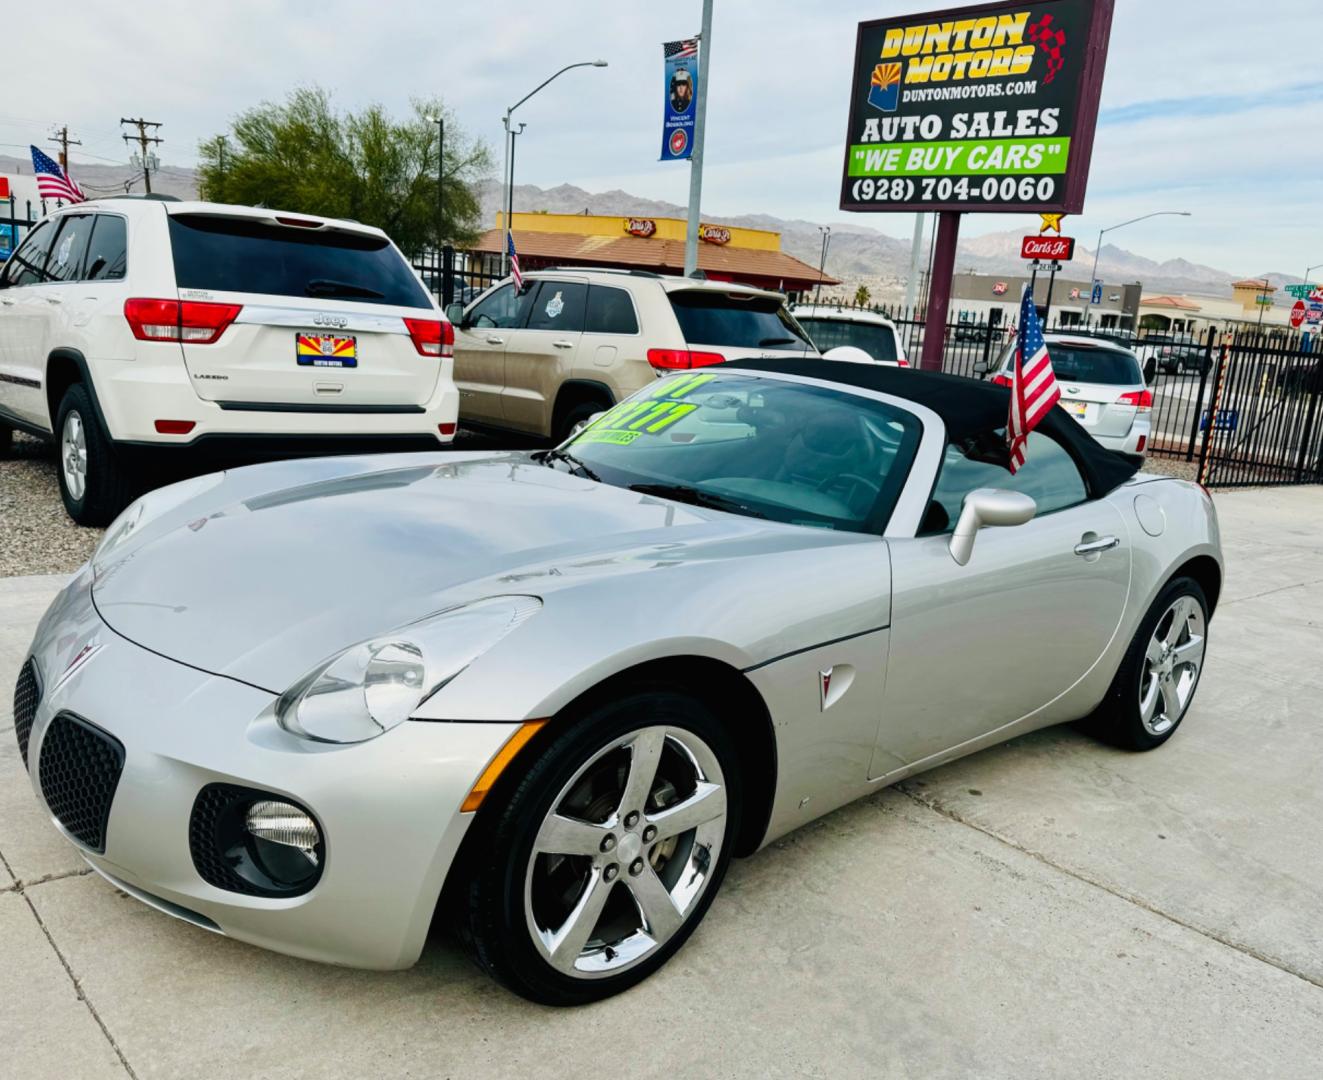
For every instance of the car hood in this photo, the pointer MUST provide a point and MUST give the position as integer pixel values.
(272, 569)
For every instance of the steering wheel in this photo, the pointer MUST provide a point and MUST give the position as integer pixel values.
(851, 485)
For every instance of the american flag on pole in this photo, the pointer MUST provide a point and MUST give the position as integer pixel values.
(52, 181)
(679, 50)
(1034, 388)
(514, 262)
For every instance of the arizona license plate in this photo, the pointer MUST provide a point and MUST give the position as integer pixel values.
(327, 350)
(1077, 409)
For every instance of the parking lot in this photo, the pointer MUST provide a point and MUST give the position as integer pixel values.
(1051, 907)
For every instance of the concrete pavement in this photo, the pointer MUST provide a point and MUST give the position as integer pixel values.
(1047, 908)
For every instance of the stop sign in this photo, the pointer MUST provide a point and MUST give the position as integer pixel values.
(1297, 314)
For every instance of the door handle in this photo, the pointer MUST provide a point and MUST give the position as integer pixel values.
(52, 300)
(7, 302)
(492, 339)
(1097, 547)
(562, 344)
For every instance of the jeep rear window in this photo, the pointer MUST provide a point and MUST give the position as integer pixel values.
(227, 254)
(736, 320)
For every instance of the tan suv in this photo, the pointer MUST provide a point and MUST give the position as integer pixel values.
(576, 341)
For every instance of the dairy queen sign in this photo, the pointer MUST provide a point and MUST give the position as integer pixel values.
(999, 289)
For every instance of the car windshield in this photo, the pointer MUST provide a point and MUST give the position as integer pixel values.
(1081, 363)
(754, 445)
(238, 254)
(737, 320)
(876, 340)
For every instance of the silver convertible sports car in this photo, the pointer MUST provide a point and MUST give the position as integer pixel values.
(544, 697)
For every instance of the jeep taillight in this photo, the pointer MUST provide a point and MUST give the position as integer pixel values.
(682, 359)
(189, 321)
(431, 337)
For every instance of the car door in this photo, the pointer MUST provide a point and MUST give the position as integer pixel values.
(977, 647)
(542, 354)
(480, 342)
(23, 316)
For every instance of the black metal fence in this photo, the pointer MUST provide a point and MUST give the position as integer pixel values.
(454, 276)
(15, 220)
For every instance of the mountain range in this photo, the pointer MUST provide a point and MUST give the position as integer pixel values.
(858, 254)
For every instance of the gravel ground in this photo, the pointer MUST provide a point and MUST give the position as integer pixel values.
(36, 535)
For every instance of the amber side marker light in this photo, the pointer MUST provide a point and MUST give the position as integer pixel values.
(497, 765)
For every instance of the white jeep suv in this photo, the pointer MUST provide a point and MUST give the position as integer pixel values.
(135, 326)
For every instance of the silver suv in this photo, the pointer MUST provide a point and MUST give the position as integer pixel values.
(575, 341)
(1102, 387)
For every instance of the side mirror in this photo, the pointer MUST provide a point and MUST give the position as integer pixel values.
(981, 366)
(988, 506)
(455, 313)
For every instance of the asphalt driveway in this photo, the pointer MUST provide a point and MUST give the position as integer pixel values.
(1048, 908)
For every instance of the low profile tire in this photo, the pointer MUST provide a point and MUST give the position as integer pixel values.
(604, 855)
(1157, 680)
(92, 483)
(579, 414)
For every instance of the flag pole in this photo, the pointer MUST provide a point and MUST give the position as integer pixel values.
(700, 130)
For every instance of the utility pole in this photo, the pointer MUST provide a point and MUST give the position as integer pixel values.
(696, 158)
(143, 140)
(822, 262)
(60, 137)
(221, 143)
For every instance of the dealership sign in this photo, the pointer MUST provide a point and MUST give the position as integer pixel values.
(1051, 248)
(988, 108)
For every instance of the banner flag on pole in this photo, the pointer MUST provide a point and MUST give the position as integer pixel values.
(681, 90)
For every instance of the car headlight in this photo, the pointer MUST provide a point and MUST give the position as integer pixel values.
(147, 509)
(371, 687)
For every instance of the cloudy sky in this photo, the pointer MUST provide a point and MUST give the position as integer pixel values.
(1210, 106)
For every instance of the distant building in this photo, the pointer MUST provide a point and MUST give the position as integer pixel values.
(996, 298)
(725, 253)
(1251, 301)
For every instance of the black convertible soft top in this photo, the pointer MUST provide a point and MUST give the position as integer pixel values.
(969, 409)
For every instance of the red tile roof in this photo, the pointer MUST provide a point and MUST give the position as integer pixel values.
(636, 252)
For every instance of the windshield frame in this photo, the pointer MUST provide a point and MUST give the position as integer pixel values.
(895, 512)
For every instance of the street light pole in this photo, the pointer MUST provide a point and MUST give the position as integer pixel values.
(1093, 277)
(440, 122)
(822, 262)
(700, 136)
(508, 201)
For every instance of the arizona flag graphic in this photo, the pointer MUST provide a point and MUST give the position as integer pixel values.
(884, 93)
(319, 350)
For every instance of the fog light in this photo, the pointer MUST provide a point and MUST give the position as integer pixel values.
(286, 825)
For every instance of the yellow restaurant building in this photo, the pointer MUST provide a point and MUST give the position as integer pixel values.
(656, 244)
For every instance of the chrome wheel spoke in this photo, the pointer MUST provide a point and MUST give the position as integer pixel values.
(660, 917)
(1148, 702)
(644, 756)
(561, 835)
(707, 803)
(1190, 653)
(1180, 619)
(568, 942)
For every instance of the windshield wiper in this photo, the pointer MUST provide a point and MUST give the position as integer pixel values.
(330, 287)
(576, 466)
(696, 497)
(767, 341)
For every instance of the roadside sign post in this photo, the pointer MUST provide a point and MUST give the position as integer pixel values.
(987, 109)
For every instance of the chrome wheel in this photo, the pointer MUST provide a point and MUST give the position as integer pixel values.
(73, 455)
(626, 852)
(1172, 663)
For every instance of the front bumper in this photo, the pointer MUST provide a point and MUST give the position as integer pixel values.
(389, 808)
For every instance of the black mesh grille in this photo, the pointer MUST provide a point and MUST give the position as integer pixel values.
(79, 771)
(27, 695)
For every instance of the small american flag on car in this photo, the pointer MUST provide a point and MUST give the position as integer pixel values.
(514, 262)
(1034, 388)
(52, 181)
(679, 49)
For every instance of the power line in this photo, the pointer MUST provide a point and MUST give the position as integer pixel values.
(144, 140)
